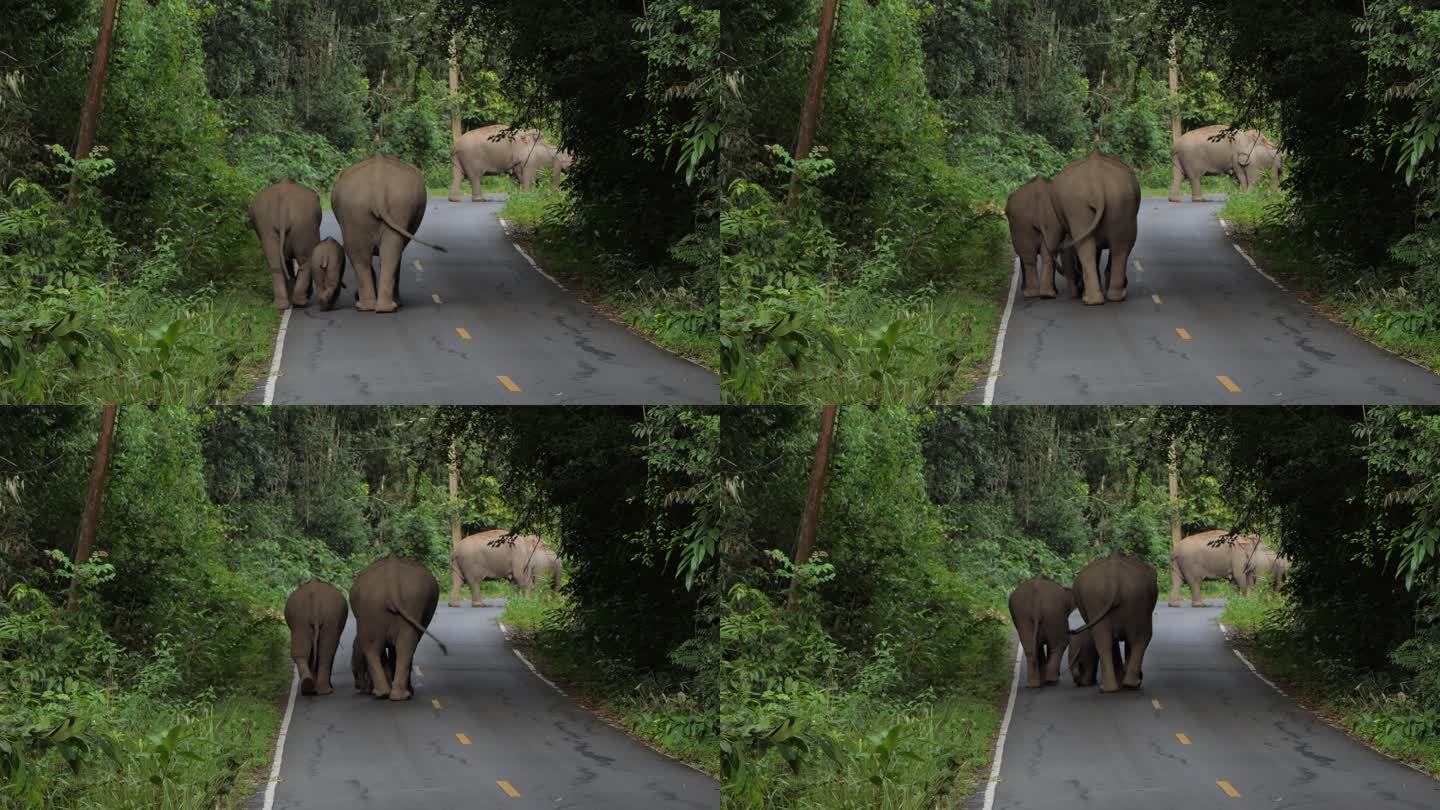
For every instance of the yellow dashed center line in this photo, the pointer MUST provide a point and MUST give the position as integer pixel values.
(437, 298)
(1139, 268)
(419, 671)
(509, 384)
(418, 268)
(1228, 383)
(1156, 703)
(1229, 789)
(436, 703)
(462, 738)
(463, 334)
(1156, 299)
(1180, 330)
(508, 788)
(1182, 738)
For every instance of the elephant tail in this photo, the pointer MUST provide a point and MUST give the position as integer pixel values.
(418, 626)
(1088, 229)
(412, 237)
(1114, 602)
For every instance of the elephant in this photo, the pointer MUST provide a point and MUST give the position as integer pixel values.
(394, 600)
(379, 203)
(544, 154)
(328, 263)
(1085, 660)
(1256, 157)
(286, 217)
(1195, 560)
(1265, 562)
(519, 560)
(1040, 609)
(316, 613)
(1212, 150)
(1098, 201)
(496, 149)
(1116, 596)
(1035, 229)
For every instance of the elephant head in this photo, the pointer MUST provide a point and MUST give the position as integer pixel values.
(1084, 661)
(327, 263)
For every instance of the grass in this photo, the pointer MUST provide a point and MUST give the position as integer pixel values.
(1154, 185)
(1372, 707)
(1386, 313)
(670, 316)
(492, 184)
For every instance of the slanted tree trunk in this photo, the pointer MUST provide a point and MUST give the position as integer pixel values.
(1174, 496)
(90, 111)
(810, 108)
(454, 496)
(455, 127)
(1174, 92)
(810, 518)
(90, 517)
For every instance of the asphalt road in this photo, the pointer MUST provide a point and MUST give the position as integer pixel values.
(468, 318)
(347, 749)
(1269, 346)
(1070, 747)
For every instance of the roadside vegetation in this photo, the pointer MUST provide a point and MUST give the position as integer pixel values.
(160, 682)
(874, 672)
(146, 283)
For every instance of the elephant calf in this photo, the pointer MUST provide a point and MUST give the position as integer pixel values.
(1040, 609)
(394, 600)
(316, 613)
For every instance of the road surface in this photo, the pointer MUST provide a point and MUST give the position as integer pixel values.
(347, 749)
(1070, 747)
(1249, 342)
(477, 325)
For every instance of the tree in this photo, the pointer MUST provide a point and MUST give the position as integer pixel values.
(810, 517)
(90, 517)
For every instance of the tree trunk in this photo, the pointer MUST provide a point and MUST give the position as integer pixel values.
(90, 518)
(1174, 496)
(90, 112)
(810, 109)
(455, 132)
(1174, 92)
(454, 496)
(810, 518)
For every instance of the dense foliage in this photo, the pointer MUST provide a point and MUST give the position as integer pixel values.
(210, 518)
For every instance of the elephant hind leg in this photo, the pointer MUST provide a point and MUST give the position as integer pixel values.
(279, 269)
(379, 681)
(405, 643)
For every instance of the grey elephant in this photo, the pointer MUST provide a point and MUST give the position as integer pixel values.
(1116, 596)
(1265, 562)
(1035, 231)
(1085, 660)
(1097, 199)
(480, 556)
(286, 217)
(1198, 557)
(544, 155)
(379, 203)
(394, 600)
(1213, 150)
(316, 613)
(496, 149)
(1040, 609)
(1256, 157)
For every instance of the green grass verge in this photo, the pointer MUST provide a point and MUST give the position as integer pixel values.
(492, 184)
(1391, 316)
(1371, 707)
(1152, 186)
(668, 316)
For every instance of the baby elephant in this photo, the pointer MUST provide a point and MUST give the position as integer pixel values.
(1040, 609)
(316, 613)
(327, 262)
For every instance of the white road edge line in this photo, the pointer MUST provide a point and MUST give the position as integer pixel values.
(1000, 336)
(280, 739)
(1004, 728)
(1229, 230)
(1256, 673)
(279, 350)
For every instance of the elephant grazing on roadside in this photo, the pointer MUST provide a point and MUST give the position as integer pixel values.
(1116, 596)
(1040, 609)
(379, 203)
(544, 154)
(286, 217)
(1214, 150)
(1199, 557)
(496, 149)
(316, 613)
(1265, 562)
(521, 559)
(1255, 157)
(1098, 201)
(394, 600)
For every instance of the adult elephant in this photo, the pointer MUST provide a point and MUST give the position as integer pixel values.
(1265, 562)
(1212, 150)
(544, 155)
(1116, 596)
(496, 554)
(1203, 556)
(379, 203)
(540, 562)
(1035, 231)
(496, 149)
(1256, 157)
(316, 613)
(286, 217)
(394, 600)
(1097, 199)
(1040, 609)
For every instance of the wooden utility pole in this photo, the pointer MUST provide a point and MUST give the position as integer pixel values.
(455, 132)
(810, 109)
(810, 518)
(1174, 93)
(90, 112)
(90, 518)
(454, 496)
